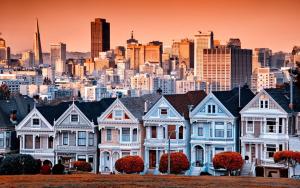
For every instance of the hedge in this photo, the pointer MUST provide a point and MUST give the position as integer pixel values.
(130, 164)
(178, 161)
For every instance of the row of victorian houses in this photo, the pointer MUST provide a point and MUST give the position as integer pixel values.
(197, 124)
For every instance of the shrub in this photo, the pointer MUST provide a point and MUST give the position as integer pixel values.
(130, 164)
(230, 161)
(58, 168)
(47, 162)
(178, 163)
(83, 166)
(289, 158)
(45, 169)
(19, 164)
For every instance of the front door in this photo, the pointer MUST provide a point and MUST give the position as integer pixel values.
(152, 158)
(199, 156)
(252, 153)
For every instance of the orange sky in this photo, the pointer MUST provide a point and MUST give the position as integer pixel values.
(258, 23)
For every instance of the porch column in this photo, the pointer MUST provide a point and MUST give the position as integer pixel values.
(256, 151)
(250, 155)
(147, 157)
(33, 140)
(100, 161)
(130, 134)
(243, 150)
(157, 158)
(86, 138)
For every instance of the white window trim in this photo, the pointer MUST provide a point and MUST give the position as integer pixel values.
(251, 132)
(110, 135)
(167, 109)
(264, 103)
(39, 125)
(67, 139)
(200, 126)
(77, 118)
(118, 118)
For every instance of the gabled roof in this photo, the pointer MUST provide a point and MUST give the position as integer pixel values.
(282, 97)
(91, 110)
(22, 104)
(230, 99)
(181, 102)
(136, 105)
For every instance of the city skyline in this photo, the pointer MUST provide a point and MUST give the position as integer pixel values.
(69, 22)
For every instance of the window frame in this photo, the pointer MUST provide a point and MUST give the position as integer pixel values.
(81, 138)
(127, 135)
(218, 129)
(35, 125)
(202, 130)
(71, 118)
(91, 138)
(67, 138)
(108, 135)
(117, 116)
(248, 125)
(269, 125)
(163, 111)
(2, 138)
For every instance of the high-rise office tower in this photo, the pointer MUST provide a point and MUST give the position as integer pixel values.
(4, 52)
(37, 47)
(262, 57)
(28, 59)
(58, 57)
(184, 50)
(227, 67)
(202, 41)
(100, 37)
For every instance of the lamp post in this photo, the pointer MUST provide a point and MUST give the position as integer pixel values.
(169, 152)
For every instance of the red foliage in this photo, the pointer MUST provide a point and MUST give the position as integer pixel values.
(228, 160)
(83, 166)
(45, 169)
(178, 163)
(290, 158)
(130, 164)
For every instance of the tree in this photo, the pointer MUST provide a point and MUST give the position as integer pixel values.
(288, 158)
(82, 166)
(58, 168)
(130, 164)
(178, 163)
(230, 161)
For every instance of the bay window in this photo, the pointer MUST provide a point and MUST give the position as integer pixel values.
(125, 134)
(250, 127)
(172, 131)
(271, 149)
(219, 130)
(2, 140)
(271, 125)
(28, 142)
(91, 139)
(134, 135)
(229, 131)
(108, 134)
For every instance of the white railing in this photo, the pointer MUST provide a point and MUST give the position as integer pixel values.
(164, 141)
(36, 151)
(75, 148)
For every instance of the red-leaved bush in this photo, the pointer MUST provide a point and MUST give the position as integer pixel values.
(82, 166)
(228, 160)
(130, 164)
(45, 169)
(289, 158)
(178, 163)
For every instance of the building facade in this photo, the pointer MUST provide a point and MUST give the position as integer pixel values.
(100, 37)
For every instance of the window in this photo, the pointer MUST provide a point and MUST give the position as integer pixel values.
(153, 132)
(37, 142)
(250, 127)
(8, 136)
(81, 138)
(271, 124)
(164, 132)
(134, 135)
(180, 132)
(211, 109)
(172, 131)
(280, 147)
(125, 134)
(74, 118)
(210, 130)
(219, 131)
(271, 149)
(108, 134)
(280, 125)
(118, 114)
(2, 140)
(264, 103)
(28, 142)
(91, 139)
(50, 142)
(229, 131)
(134, 153)
(91, 159)
(218, 150)
(81, 158)
(200, 131)
(163, 111)
(35, 122)
(65, 138)
(125, 153)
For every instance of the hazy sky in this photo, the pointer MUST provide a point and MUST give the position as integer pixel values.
(258, 23)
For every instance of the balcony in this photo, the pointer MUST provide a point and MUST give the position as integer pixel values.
(155, 141)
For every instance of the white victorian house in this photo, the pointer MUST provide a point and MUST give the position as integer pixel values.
(121, 130)
(266, 128)
(36, 136)
(214, 127)
(168, 119)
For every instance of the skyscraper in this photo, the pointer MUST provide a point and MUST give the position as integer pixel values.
(58, 57)
(37, 47)
(227, 67)
(202, 41)
(184, 50)
(100, 37)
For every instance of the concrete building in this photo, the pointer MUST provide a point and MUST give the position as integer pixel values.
(225, 68)
(263, 78)
(28, 59)
(58, 58)
(100, 37)
(4, 52)
(184, 50)
(262, 57)
(202, 41)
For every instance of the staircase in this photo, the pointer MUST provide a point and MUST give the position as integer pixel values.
(246, 170)
(195, 171)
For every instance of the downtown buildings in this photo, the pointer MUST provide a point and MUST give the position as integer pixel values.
(100, 37)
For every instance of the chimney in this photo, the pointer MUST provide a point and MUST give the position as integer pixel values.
(145, 107)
